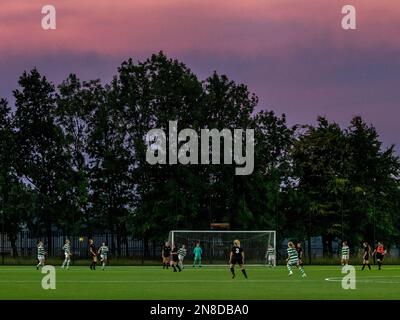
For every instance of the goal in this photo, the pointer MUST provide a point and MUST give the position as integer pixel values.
(216, 244)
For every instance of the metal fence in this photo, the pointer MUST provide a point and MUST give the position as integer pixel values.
(26, 245)
(138, 249)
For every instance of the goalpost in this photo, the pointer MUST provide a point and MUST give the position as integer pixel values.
(216, 244)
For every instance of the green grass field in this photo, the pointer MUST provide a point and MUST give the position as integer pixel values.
(22, 282)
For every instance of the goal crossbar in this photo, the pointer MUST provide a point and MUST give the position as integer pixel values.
(216, 244)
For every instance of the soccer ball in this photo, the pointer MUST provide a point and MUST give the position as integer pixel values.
(81, 239)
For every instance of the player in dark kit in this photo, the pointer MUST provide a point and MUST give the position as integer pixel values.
(175, 259)
(379, 254)
(366, 253)
(237, 257)
(93, 254)
(165, 255)
(299, 250)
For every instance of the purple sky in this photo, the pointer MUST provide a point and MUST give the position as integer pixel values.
(292, 53)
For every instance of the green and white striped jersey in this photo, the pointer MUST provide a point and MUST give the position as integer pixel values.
(182, 252)
(293, 257)
(103, 250)
(271, 251)
(67, 248)
(40, 250)
(345, 250)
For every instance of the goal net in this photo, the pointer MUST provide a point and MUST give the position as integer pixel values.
(216, 245)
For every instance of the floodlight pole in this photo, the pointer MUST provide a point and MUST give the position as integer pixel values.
(309, 236)
(374, 209)
(275, 245)
(374, 212)
(276, 210)
(2, 237)
(341, 209)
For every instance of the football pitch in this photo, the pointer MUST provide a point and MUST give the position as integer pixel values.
(209, 283)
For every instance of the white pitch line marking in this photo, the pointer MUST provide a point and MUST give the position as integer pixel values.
(368, 279)
(161, 281)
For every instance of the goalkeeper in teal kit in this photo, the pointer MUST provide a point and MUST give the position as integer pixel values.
(197, 255)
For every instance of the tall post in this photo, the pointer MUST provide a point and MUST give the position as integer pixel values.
(341, 211)
(275, 247)
(176, 206)
(2, 237)
(374, 213)
(143, 249)
(276, 223)
(309, 237)
(374, 193)
(276, 211)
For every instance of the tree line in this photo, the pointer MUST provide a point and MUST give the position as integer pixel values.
(73, 159)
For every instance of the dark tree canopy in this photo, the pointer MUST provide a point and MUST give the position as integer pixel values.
(73, 159)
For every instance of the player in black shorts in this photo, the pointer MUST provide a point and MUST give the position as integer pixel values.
(237, 257)
(165, 255)
(299, 250)
(175, 259)
(93, 254)
(366, 253)
(379, 253)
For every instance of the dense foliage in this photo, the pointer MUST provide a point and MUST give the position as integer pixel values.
(72, 158)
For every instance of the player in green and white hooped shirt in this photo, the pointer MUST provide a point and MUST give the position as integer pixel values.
(103, 251)
(40, 254)
(181, 255)
(67, 254)
(345, 253)
(197, 255)
(293, 259)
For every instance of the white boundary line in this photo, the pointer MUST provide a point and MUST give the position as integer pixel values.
(164, 281)
(187, 267)
(222, 231)
(368, 279)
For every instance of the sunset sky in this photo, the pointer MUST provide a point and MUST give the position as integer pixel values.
(293, 54)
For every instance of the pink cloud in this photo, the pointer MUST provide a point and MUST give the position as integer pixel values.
(220, 27)
(291, 53)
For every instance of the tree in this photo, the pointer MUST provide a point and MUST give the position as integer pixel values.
(348, 183)
(373, 174)
(152, 93)
(320, 159)
(41, 161)
(16, 200)
(111, 188)
(74, 101)
(73, 159)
